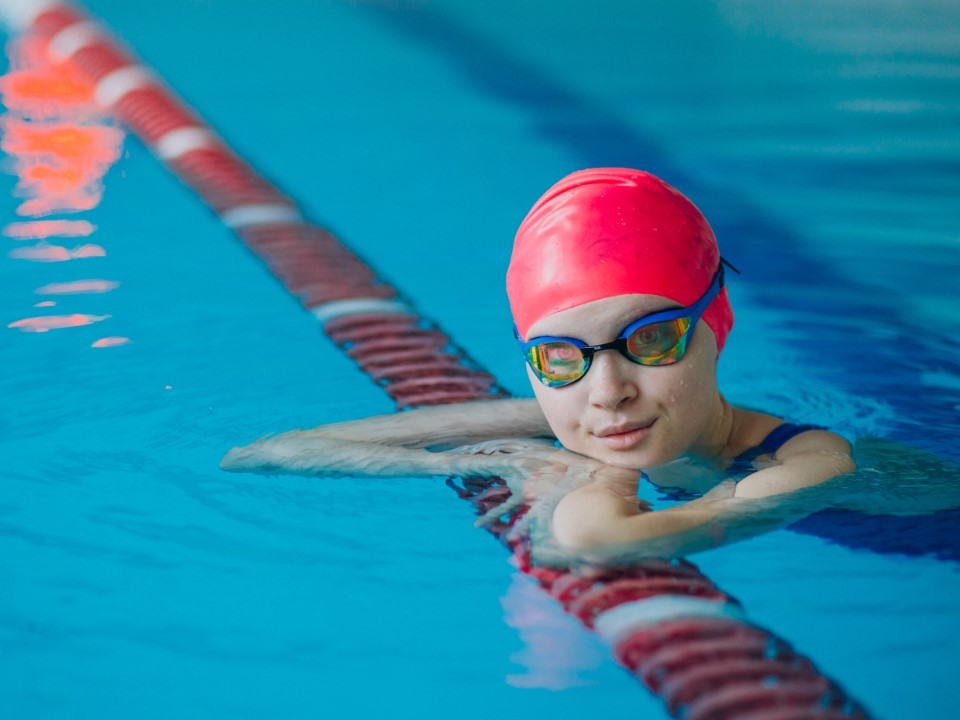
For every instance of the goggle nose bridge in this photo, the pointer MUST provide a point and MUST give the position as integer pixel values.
(620, 344)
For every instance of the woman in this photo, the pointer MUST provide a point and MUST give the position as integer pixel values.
(617, 290)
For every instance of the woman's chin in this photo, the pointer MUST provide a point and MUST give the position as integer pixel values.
(631, 460)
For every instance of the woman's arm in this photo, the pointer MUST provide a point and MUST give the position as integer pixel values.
(298, 453)
(809, 459)
(392, 444)
(444, 426)
(603, 529)
(600, 518)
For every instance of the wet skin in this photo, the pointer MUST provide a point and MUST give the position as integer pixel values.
(630, 415)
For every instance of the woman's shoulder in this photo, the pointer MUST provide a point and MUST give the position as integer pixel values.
(757, 433)
(750, 429)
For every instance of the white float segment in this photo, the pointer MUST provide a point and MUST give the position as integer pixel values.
(73, 38)
(182, 140)
(246, 215)
(624, 619)
(325, 312)
(114, 85)
(19, 15)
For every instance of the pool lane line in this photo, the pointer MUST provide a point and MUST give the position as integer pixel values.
(666, 620)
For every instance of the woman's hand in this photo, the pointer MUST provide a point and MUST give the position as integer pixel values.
(532, 469)
(525, 466)
(283, 453)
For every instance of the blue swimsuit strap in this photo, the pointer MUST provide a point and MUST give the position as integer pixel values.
(743, 463)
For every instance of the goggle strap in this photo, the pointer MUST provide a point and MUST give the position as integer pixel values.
(724, 261)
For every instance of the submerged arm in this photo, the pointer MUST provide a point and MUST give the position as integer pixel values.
(444, 426)
(393, 444)
(298, 453)
(598, 520)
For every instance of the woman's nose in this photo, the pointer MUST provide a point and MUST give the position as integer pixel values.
(612, 380)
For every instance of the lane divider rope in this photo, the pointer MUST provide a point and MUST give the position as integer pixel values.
(670, 626)
(183, 140)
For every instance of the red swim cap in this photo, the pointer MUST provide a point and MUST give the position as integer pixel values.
(613, 231)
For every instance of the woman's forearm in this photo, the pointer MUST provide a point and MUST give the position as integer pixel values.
(394, 444)
(445, 426)
(599, 527)
(301, 453)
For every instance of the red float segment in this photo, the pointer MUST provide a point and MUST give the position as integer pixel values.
(55, 19)
(679, 657)
(609, 595)
(153, 114)
(99, 59)
(314, 294)
(524, 560)
(804, 713)
(309, 261)
(360, 329)
(444, 397)
(682, 688)
(546, 576)
(416, 338)
(426, 365)
(455, 384)
(223, 180)
(693, 661)
(446, 368)
(411, 393)
(574, 585)
(387, 360)
(736, 700)
(631, 651)
(314, 266)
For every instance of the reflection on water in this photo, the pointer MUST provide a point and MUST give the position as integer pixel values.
(555, 655)
(77, 286)
(59, 147)
(36, 229)
(110, 342)
(55, 322)
(45, 252)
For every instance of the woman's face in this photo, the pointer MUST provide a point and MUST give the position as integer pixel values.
(623, 413)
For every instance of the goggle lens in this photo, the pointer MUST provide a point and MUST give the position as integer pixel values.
(659, 338)
(659, 343)
(557, 363)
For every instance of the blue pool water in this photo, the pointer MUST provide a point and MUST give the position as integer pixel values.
(136, 579)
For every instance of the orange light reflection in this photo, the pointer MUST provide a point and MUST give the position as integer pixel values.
(61, 148)
(61, 145)
(77, 286)
(55, 322)
(60, 140)
(45, 252)
(111, 342)
(36, 88)
(36, 229)
(60, 165)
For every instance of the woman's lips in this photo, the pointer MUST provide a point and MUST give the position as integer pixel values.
(624, 437)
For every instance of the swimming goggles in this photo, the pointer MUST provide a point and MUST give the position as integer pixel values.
(657, 339)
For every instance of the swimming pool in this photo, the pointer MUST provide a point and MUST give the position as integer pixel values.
(819, 144)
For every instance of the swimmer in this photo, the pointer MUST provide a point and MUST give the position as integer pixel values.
(618, 294)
